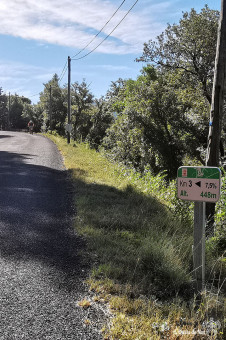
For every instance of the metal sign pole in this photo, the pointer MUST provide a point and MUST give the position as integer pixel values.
(201, 185)
(199, 245)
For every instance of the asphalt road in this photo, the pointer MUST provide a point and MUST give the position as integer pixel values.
(42, 270)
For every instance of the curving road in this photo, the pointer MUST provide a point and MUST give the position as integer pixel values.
(41, 271)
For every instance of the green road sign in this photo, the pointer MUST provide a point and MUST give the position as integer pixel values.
(199, 183)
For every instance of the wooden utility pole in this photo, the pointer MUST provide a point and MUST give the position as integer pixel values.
(69, 101)
(9, 111)
(216, 111)
(50, 107)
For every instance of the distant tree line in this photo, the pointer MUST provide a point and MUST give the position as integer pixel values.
(11, 111)
(158, 121)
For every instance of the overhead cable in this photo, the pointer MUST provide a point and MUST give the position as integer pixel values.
(73, 58)
(108, 34)
(60, 78)
(33, 95)
(63, 72)
(100, 30)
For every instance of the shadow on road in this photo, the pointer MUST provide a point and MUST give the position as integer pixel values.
(36, 211)
(5, 136)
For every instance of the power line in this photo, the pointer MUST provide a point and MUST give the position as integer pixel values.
(60, 78)
(33, 95)
(100, 30)
(66, 66)
(63, 72)
(108, 34)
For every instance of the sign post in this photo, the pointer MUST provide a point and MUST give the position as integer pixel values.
(199, 245)
(201, 185)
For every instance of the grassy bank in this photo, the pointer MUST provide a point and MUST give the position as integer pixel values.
(143, 251)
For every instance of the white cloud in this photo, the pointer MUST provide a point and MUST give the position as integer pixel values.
(12, 70)
(69, 23)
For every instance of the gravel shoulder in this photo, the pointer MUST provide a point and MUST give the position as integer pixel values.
(42, 271)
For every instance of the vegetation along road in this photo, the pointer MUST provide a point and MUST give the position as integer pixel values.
(41, 273)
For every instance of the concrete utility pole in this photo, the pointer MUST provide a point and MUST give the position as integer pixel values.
(216, 111)
(213, 152)
(69, 100)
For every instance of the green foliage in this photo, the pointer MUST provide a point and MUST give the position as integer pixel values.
(90, 117)
(3, 110)
(52, 105)
(115, 96)
(216, 245)
(34, 113)
(101, 120)
(164, 190)
(162, 117)
(17, 120)
(82, 101)
(160, 120)
(190, 46)
(220, 232)
(159, 124)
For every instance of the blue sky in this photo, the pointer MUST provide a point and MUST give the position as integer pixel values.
(37, 36)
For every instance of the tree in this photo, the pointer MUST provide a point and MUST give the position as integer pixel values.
(34, 113)
(4, 114)
(82, 102)
(160, 124)
(52, 100)
(188, 46)
(17, 120)
(115, 96)
(101, 119)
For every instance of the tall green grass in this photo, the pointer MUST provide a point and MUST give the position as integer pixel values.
(141, 236)
(128, 224)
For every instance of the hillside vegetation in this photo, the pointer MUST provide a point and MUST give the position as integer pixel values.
(140, 238)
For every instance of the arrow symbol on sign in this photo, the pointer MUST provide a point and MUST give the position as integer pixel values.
(199, 184)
